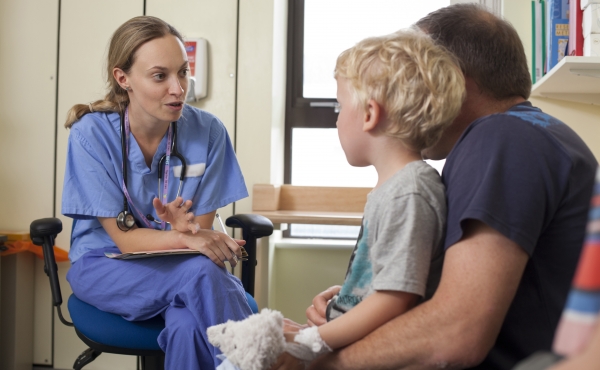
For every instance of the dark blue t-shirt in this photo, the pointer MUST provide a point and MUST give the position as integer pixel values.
(530, 177)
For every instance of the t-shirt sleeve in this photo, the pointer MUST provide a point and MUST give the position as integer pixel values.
(223, 182)
(406, 234)
(506, 175)
(91, 187)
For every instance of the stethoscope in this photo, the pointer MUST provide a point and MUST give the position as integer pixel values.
(126, 219)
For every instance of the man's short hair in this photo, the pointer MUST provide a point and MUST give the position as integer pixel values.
(488, 48)
(418, 84)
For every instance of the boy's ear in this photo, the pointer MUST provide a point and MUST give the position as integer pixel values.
(373, 115)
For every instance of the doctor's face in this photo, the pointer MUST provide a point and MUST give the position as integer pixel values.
(158, 81)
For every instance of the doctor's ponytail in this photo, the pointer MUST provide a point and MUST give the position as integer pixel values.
(121, 54)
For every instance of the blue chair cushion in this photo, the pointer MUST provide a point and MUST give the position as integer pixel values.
(113, 330)
(252, 303)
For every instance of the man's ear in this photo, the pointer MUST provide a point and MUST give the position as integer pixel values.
(121, 78)
(373, 115)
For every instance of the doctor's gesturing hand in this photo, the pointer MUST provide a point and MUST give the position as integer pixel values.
(178, 214)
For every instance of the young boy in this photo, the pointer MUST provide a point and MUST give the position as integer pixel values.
(397, 93)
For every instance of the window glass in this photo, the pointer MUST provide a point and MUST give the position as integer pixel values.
(332, 26)
(318, 160)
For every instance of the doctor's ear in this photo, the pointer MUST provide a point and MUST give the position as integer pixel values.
(373, 115)
(121, 78)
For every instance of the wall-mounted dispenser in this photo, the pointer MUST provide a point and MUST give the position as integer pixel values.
(197, 53)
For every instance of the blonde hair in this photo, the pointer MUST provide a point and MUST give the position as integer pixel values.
(121, 54)
(418, 83)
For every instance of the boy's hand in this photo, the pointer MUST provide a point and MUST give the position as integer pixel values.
(176, 213)
(316, 314)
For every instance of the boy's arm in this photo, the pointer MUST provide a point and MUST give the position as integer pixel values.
(459, 325)
(374, 311)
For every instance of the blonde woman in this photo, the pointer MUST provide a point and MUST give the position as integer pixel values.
(142, 151)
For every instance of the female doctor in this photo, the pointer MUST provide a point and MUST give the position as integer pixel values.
(143, 117)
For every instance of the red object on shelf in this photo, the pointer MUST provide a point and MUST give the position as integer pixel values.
(575, 28)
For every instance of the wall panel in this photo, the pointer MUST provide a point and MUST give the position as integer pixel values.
(86, 28)
(28, 49)
(27, 105)
(215, 21)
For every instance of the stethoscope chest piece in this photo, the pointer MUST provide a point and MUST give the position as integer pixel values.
(125, 221)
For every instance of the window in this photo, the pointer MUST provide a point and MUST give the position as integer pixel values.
(318, 31)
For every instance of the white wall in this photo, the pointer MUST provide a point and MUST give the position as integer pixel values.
(583, 118)
(27, 100)
(28, 54)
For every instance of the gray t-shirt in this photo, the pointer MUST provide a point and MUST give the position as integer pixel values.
(402, 232)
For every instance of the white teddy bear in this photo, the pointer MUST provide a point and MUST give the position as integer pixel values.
(256, 342)
(253, 343)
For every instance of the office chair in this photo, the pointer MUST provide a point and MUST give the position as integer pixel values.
(110, 333)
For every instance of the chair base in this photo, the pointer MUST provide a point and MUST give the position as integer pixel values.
(85, 358)
(152, 362)
(144, 362)
(149, 359)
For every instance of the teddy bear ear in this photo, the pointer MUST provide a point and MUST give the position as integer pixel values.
(215, 333)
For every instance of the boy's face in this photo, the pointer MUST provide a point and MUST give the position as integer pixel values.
(350, 126)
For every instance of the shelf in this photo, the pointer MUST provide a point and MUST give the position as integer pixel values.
(317, 218)
(288, 204)
(575, 79)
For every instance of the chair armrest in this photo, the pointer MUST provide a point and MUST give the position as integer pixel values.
(44, 227)
(253, 227)
(43, 232)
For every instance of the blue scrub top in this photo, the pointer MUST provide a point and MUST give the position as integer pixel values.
(93, 175)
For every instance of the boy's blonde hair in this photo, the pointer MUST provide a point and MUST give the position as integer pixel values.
(418, 83)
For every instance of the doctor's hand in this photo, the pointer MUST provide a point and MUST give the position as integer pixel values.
(177, 214)
(217, 246)
(316, 314)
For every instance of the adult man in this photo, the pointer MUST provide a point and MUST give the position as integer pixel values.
(518, 185)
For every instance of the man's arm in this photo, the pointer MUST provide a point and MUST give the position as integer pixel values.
(458, 326)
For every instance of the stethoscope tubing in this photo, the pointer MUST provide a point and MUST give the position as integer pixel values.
(174, 153)
(161, 163)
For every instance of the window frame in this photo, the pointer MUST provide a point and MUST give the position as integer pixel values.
(298, 110)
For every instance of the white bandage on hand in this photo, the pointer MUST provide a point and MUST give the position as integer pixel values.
(308, 344)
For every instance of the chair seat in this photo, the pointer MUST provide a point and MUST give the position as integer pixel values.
(114, 331)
